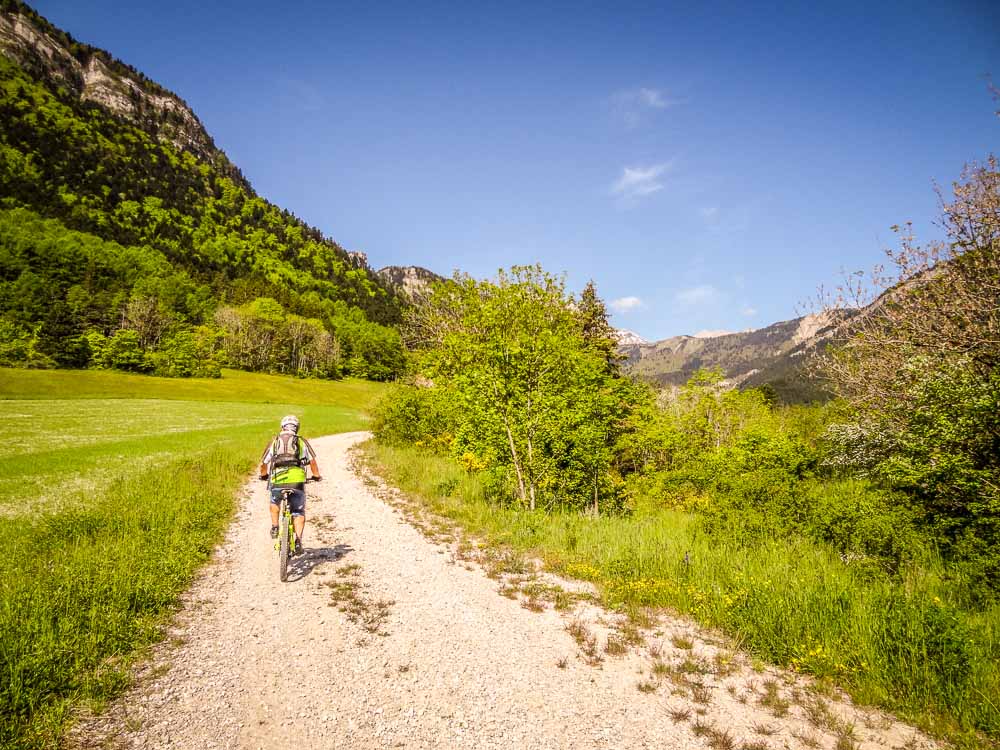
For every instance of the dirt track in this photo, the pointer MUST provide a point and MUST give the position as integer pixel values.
(423, 652)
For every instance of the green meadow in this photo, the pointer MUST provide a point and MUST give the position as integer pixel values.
(114, 489)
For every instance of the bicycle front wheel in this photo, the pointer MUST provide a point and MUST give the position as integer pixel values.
(283, 537)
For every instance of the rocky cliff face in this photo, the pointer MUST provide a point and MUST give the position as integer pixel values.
(89, 74)
(412, 281)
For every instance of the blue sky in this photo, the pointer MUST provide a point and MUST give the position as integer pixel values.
(709, 165)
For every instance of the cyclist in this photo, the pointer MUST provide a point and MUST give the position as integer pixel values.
(284, 461)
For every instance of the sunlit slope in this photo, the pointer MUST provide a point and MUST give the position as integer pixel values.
(234, 385)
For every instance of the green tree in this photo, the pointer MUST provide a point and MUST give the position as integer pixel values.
(61, 337)
(124, 352)
(534, 397)
(599, 334)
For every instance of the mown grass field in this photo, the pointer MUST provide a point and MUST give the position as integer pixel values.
(115, 488)
(901, 644)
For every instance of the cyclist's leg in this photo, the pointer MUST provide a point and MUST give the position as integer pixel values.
(297, 504)
(275, 503)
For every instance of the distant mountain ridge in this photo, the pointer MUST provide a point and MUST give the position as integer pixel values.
(771, 355)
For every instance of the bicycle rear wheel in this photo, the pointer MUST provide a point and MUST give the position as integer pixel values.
(283, 534)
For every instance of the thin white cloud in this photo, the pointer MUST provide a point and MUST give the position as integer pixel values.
(637, 182)
(749, 311)
(708, 213)
(697, 295)
(652, 98)
(626, 304)
(633, 106)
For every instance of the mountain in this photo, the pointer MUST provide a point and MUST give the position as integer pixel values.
(627, 340)
(120, 215)
(410, 281)
(772, 355)
(88, 74)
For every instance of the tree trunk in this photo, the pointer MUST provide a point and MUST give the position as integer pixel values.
(531, 481)
(597, 510)
(517, 463)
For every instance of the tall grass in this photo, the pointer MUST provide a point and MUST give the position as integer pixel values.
(899, 643)
(107, 509)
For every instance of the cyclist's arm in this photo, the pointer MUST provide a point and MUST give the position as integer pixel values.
(311, 455)
(262, 470)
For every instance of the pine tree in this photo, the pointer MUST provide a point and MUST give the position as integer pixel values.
(61, 337)
(599, 334)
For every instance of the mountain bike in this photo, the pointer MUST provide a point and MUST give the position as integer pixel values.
(285, 544)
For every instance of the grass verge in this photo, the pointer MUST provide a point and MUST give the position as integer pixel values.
(898, 644)
(108, 506)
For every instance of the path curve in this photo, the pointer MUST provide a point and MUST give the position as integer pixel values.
(420, 653)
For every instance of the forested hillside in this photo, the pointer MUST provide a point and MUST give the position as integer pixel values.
(128, 240)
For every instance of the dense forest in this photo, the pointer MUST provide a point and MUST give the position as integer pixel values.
(120, 249)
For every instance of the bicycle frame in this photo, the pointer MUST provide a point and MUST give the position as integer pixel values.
(285, 544)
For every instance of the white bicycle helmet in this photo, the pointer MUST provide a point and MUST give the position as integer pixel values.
(291, 422)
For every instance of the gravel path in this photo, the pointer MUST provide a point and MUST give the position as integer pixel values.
(380, 639)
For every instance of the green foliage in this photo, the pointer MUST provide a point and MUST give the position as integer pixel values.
(536, 402)
(133, 310)
(124, 352)
(946, 457)
(424, 416)
(189, 354)
(755, 471)
(19, 346)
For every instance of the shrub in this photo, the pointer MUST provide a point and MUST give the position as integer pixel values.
(188, 354)
(410, 414)
(123, 352)
(19, 347)
(919, 366)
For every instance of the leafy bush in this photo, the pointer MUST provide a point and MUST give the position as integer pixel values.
(534, 385)
(408, 414)
(189, 354)
(124, 352)
(19, 346)
(865, 523)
